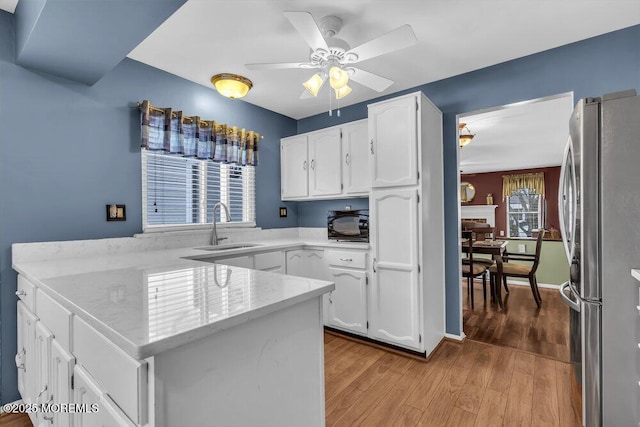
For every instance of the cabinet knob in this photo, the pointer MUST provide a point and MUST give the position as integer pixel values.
(372, 146)
(346, 159)
(304, 165)
(19, 360)
(346, 259)
(20, 293)
(373, 265)
(313, 164)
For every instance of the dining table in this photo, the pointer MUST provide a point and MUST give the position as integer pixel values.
(495, 248)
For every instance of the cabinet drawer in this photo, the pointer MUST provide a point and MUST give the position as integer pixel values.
(26, 292)
(123, 378)
(342, 258)
(56, 317)
(268, 261)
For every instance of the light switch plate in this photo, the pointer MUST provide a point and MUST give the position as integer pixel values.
(116, 213)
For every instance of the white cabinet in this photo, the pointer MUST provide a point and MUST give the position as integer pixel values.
(324, 163)
(356, 178)
(394, 295)
(406, 223)
(60, 377)
(25, 358)
(269, 261)
(393, 140)
(42, 361)
(348, 301)
(245, 261)
(293, 167)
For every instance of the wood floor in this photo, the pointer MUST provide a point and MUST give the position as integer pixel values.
(521, 325)
(15, 420)
(463, 384)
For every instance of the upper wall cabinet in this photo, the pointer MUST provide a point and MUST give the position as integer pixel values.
(394, 164)
(293, 167)
(326, 164)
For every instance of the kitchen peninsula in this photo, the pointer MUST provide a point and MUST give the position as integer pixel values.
(156, 338)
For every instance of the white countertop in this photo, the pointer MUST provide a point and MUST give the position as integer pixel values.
(635, 273)
(150, 301)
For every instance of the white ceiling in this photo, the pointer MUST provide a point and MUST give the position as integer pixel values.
(525, 135)
(8, 5)
(207, 37)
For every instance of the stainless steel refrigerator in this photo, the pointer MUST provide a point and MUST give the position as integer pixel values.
(599, 205)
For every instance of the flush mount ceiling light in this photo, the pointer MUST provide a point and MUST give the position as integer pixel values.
(231, 85)
(464, 138)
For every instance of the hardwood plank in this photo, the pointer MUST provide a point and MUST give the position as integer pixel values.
(572, 413)
(339, 403)
(408, 416)
(524, 362)
(386, 362)
(15, 420)
(469, 398)
(356, 414)
(460, 418)
(543, 331)
(360, 361)
(481, 370)
(439, 410)
(519, 400)
(491, 412)
(502, 370)
(544, 408)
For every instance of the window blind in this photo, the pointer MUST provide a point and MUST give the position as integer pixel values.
(183, 191)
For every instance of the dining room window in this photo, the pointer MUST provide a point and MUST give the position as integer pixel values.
(524, 212)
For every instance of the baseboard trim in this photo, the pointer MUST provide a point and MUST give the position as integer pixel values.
(17, 402)
(526, 283)
(453, 337)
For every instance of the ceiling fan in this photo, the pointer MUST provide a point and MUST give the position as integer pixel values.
(333, 57)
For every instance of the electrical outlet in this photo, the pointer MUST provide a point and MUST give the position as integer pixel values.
(502, 233)
(522, 248)
(116, 213)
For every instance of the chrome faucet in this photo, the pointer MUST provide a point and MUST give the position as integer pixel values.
(214, 233)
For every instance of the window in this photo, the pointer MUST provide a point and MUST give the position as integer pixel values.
(180, 191)
(524, 212)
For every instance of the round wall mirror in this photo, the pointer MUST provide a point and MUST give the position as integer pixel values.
(467, 192)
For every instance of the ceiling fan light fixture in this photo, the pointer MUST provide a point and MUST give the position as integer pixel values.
(342, 92)
(338, 78)
(464, 138)
(231, 85)
(314, 84)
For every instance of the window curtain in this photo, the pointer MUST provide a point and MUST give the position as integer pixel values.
(532, 181)
(168, 131)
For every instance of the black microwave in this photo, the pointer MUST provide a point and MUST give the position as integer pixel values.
(352, 226)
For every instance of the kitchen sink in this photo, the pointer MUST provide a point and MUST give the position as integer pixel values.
(228, 247)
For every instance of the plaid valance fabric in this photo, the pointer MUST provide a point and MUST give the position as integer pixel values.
(163, 129)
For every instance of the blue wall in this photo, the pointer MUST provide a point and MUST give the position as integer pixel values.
(67, 149)
(591, 67)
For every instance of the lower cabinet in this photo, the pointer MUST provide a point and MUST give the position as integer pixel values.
(348, 302)
(60, 382)
(269, 261)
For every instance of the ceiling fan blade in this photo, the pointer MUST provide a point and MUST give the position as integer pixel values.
(308, 29)
(305, 95)
(370, 80)
(276, 65)
(400, 38)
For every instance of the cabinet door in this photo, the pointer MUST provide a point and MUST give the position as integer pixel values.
(356, 175)
(239, 261)
(348, 302)
(325, 176)
(293, 167)
(25, 357)
(295, 263)
(62, 364)
(42, 360)
(315, 264)
(393, 142)
(394, 288)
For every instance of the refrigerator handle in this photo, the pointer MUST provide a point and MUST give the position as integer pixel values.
(565, 299)
(561, 195)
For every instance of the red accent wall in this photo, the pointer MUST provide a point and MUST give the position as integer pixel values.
(491, 182)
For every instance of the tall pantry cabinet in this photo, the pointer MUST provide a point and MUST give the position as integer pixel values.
(406, 223)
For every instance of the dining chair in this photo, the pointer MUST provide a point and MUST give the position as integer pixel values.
(472, 269)
(510, 269)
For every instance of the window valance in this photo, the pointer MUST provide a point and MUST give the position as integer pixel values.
(169, 131)
(532, 181)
